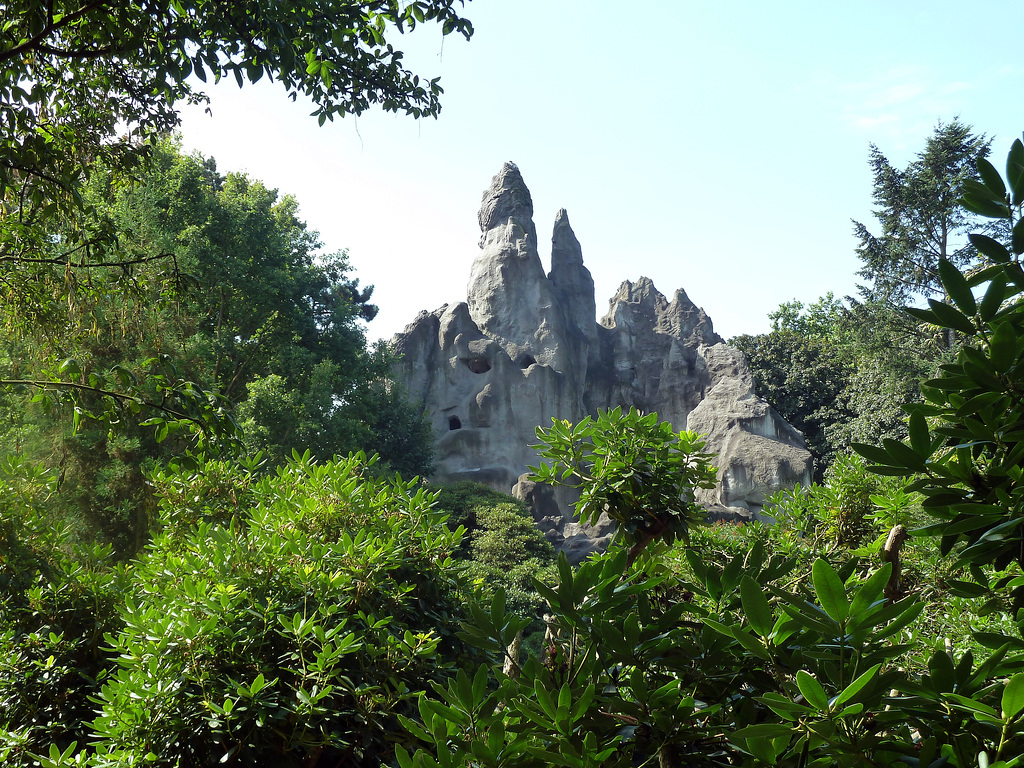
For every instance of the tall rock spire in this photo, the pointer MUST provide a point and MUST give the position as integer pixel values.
(571, 279)
(509, 296)
(574, 289)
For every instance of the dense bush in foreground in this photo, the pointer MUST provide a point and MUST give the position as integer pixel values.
(278, 621)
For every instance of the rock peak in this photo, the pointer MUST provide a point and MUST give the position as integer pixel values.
(510, 298)
(565, 248)
(525, 348)
(506, 198)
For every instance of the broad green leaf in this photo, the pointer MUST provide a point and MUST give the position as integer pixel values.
(907, 612)
(1015, 171)
(564, 696)
(70, 368)
(869, 592)
(583, 702)
(806, 614)
(1003, 346)
(966, 588)
(480, 684)
(919, 438)
(969, 704)
(1017, 237)
(756, 606)
(783, 707)
(812, 690)
(989, 247)
(751, 643)
(956, 286)
(1013, 696)
(904, 455)
(925, 315)
(994, 297)
(763, 731)
(981, 191)
(830, 591)
(850, 691)
(950, 317)
(873, 453)
(984, 205)
(991, 177)
(985, 274)
(544, 698)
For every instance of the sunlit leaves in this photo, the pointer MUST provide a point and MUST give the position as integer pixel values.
(632, 467)
(967, 443)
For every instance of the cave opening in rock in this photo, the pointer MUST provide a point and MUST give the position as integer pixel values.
(454, 423)
(478, 364)
(526, 361)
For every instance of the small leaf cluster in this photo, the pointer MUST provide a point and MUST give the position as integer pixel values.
(631, 467)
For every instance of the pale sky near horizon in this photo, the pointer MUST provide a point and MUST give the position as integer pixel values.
(716, 147)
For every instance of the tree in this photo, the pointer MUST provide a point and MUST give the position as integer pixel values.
(803, 366)
(631, 467)
(965, 441)
(921, 221)
(98, 82)
(252, 310)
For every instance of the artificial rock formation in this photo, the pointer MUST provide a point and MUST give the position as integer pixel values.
(526, 347)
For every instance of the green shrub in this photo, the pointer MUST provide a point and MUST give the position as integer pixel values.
(462, 500)
(506, 536)
(57, 602)
(289, 625)
(503, 548)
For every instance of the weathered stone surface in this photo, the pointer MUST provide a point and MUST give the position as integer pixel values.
(526, 347)
(759, 452)
(510, 298)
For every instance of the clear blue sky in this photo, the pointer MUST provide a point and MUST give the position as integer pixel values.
(717, 147)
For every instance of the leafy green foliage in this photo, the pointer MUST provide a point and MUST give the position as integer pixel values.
(631, 467)
(252, 313)
(965, 441)
(288, 618)
(845, 512)
(57, 602)
(94, 85)
(264, 317)
(726, 669)
(75, 75)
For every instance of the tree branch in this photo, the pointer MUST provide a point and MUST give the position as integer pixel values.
(34, 43)
(118, 396)
(83, 264)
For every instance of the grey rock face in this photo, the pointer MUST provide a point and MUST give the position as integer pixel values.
(526, 347)
(510, 298)
(759, 452)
